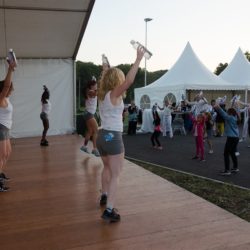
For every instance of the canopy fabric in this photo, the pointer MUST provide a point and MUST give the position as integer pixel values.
(238, 70)
(43, 29)
(28, 80)
(188, 73)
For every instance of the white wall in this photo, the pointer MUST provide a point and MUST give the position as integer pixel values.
(29, 78)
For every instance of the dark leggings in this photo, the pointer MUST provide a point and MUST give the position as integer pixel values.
(155, 138)
(45, 128)
(229, 150)
(249, 127)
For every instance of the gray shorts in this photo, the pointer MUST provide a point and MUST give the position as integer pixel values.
(109, 142)
(44, 116)
(4, 133)
(87, 116)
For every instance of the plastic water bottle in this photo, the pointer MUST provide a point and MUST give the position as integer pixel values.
(105, 60)
(11, 57)
(136, 44)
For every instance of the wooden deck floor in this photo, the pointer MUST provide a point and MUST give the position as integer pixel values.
(53, 204)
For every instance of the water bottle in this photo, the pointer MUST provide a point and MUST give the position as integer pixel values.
(11, 57)
(147, 53)
(105, 60)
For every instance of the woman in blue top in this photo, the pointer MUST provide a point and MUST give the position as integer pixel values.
(232, 132)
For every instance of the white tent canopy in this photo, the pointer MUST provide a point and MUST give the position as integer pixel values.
(45, 36)
(43, 29)
(188, 73)
(238, 70)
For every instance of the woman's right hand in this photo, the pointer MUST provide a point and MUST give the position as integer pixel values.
(12, 66)
(140, 52)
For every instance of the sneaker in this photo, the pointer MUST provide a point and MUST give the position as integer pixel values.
(248, 146)
(4, 189)
(112, 216)
(225, 173)
(210, 151)
(195, 157)
(241, 140)
(3, 176)
(44, 143)
(235, 170)
(237, 153)
(160, 147)
(202, 160)
(103, 199)
(95, 152)
(84, 149)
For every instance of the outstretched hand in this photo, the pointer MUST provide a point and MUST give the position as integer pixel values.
(12, 65)
(140, 52)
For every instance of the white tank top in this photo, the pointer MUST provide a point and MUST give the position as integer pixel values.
(6, 115)
(46, 107)
(91, 104)
(111, 116)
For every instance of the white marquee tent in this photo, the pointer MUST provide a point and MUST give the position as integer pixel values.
(188, 73)
(45, 36)
(238, 71)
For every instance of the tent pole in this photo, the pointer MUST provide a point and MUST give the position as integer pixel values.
(246, 95)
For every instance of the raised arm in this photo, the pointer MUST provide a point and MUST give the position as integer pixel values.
(7, 81)
(130, 77)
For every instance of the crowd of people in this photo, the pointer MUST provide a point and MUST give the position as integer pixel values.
(204, 120)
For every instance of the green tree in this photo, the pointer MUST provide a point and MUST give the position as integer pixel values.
(247, 54)
(220, 68)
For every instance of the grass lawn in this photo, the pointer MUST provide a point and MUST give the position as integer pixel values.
(233, 199)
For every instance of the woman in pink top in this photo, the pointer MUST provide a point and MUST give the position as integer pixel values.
(198, 131)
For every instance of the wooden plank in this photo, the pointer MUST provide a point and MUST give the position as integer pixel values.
(53, 204)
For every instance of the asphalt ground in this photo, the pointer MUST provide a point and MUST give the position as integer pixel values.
(177, 154)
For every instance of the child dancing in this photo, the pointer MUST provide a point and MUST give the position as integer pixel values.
(198, 131)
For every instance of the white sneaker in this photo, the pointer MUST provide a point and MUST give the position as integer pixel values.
(84, 149)
(237, 153)
(210, 151)
(95, 152)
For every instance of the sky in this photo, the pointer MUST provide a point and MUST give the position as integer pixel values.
(214, 28)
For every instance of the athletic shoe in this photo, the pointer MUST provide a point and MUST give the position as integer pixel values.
(237, 153)
(248, 146)
(44, 143)
(225, 173)
(202, 160)
(112, 216)
(160, 147)
(4, 189)
(84, 149)
(103, 200)
(210, 151)
(195, 157)
(95, 152)
(3, 176)
(235, 170)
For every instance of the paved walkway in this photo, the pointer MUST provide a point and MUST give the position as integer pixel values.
(177, 153)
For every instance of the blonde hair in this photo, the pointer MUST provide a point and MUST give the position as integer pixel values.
(112, 78)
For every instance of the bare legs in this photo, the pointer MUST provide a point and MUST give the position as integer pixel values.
(92, 129)
(110, 176)
(5, 151)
